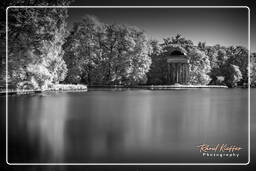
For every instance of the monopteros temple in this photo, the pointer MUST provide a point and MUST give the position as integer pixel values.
(178, 67)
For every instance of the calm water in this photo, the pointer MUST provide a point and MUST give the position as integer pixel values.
(127, 126)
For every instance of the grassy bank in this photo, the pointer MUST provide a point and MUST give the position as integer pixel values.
(67, 87)
(57, 87)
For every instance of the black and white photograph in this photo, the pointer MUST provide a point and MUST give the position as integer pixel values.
(124, 86)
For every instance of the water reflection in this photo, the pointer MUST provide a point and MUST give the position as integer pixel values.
(127, 126)
(49, 124)
(42, 121)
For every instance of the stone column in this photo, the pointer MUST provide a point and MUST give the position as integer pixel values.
(183, 73)
(177, 72)
(180, 72)
(173, 73)
(168, 72)
(187, 73)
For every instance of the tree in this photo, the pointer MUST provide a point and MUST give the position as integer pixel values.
(202, 46)
(199, 67)
(253, 69)
(127, 50)
(182, 41)
(83, 53)
(239, 56)
(35, 43)
(140, 57)
(232, 74)
(220, 58)
(130, 56)
(158, 68)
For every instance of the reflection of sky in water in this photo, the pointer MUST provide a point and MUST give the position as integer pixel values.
(130, 126)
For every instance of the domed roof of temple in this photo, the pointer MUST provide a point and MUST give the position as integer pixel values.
(175, 49)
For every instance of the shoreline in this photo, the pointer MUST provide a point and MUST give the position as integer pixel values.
(159, 87)
(85, 88)
(24, 92)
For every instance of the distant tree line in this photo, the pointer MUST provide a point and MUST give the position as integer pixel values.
(43, 52)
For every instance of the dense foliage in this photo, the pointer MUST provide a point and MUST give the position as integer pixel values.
(98, 53)
(229, 63)
(253, 69)
(35, 39)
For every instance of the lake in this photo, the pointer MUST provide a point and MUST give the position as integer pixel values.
(127, 126)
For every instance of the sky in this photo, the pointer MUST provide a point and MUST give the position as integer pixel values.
(224, 26)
